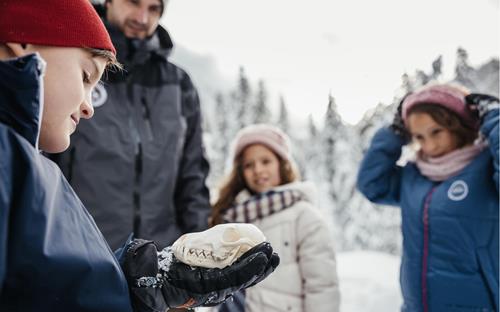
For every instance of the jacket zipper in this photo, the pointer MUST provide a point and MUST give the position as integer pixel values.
(425, 254)
(136, 137)
(137, 194)
(147, 119)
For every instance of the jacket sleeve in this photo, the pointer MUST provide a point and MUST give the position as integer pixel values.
(6, 183)
(489, 129)
(191, 193)
(317, 263)
(379, 177)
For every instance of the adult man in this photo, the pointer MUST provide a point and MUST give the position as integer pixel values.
(139, 165)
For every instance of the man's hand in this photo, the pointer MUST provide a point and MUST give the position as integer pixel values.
(160, 282)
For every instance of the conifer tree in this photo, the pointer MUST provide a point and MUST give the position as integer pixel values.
(283, 119)
(261, 113)
(242, 99)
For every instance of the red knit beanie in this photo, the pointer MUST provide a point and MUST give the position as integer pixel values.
(447, 96)
(64, 23)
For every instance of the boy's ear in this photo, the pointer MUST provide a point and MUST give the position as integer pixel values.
(17, 49)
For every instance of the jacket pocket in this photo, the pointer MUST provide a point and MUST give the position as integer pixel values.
(488, 275)
(277, 302)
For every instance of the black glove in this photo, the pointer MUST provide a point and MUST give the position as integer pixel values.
(398, 125)
(160, 281)
(481, 104)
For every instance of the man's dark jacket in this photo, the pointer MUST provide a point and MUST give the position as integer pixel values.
(52, 255)
(138, 165)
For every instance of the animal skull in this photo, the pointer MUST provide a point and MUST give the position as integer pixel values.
(218, 246)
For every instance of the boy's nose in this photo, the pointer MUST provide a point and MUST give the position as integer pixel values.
(86, 109)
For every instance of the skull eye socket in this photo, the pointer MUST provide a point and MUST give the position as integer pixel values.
(231, 235)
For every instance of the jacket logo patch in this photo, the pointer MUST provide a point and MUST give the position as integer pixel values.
(458, 190)
(99, 95)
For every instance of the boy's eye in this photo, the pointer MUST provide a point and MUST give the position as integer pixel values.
(86, 77)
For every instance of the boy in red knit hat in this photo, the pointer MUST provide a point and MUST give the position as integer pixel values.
(52, 255)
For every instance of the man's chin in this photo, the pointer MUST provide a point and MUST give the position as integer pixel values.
(134, 34)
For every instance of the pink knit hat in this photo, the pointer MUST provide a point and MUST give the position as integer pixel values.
(270, 136)
(446, 96)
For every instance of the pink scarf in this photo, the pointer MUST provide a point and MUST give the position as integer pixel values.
(444, 167)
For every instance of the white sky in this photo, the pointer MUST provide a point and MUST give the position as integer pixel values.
(357, 49)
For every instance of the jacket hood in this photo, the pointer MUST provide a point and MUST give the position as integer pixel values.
(21, 95)
(138, 50)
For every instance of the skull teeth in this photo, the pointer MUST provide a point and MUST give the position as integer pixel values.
(203, 254)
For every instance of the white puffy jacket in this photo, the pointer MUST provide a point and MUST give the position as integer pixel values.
(306, 279)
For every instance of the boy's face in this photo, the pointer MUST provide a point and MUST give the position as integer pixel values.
(70, 76)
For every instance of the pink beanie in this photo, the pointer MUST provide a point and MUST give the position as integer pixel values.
(446, 96)
(270, 136)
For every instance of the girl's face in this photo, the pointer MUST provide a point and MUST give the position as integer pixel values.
(434, 139)
(261, 168)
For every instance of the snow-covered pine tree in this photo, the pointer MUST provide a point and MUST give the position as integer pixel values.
(330, 134)
(243, 99)
(463, 70)
(283, 119)
(437, 65)
(261, 113)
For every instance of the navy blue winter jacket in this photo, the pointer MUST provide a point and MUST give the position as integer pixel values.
(450, 229)
(52, 256)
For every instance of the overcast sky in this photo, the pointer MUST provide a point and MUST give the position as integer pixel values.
(357, 49)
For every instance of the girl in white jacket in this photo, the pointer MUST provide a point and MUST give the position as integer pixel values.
(263, 189)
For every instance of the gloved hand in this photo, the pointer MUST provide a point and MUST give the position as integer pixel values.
(481, 104)
(398, 125)
(158, 281)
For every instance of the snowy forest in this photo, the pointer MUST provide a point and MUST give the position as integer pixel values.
(329, 155)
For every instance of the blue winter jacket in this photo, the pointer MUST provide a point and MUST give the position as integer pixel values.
(450, 229)
(52, 256)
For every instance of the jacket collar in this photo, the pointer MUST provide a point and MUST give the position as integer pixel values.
(138, 51)
(21, 95)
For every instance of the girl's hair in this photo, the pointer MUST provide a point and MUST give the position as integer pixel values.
(448, 119)
(234, 183)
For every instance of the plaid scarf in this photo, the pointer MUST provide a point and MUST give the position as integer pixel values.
(261, 205)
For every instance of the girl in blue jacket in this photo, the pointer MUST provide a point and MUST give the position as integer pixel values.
(448, 197)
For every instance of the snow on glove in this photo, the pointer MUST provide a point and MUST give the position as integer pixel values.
(158, 281)
(398, 125)
(482, 103)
